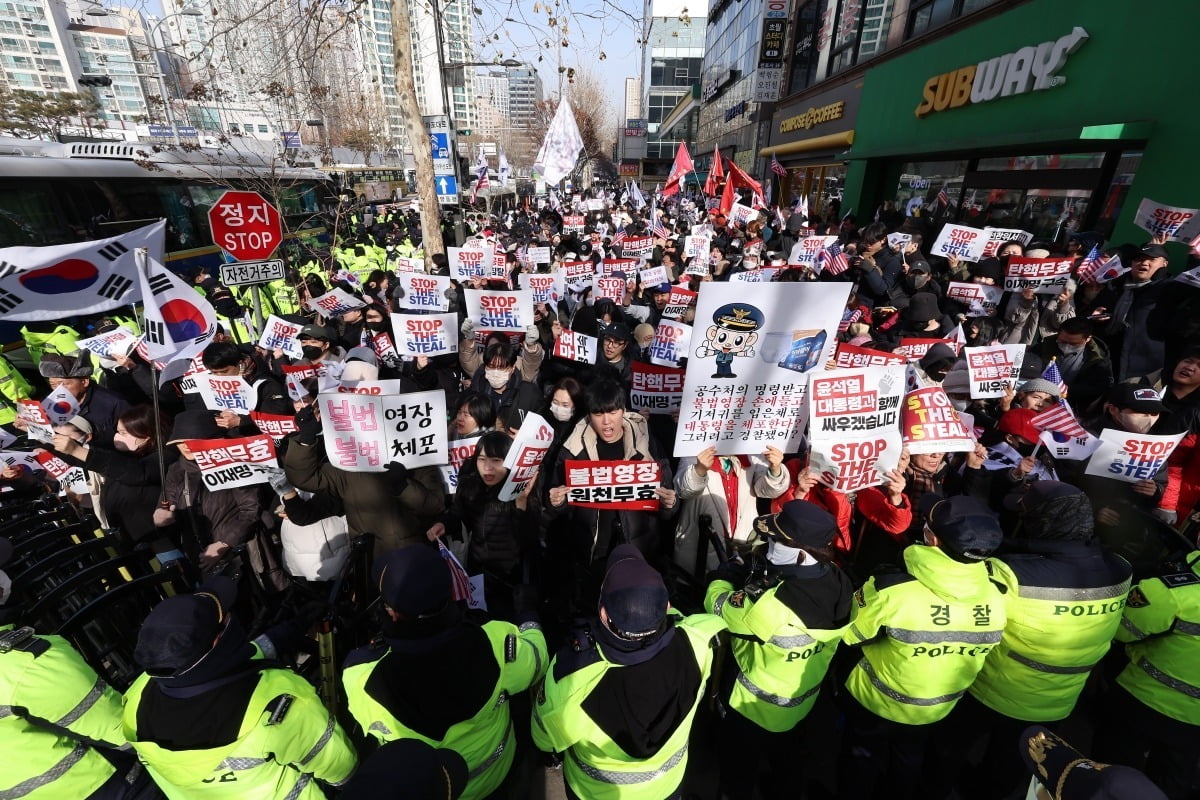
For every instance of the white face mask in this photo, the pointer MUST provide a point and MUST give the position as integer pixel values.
(560, 412)
(5, 587)
(1071, 349)
(959, 403)
(1137, 423)
(496, 378)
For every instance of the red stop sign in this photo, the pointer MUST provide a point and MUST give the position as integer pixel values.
(245, 225)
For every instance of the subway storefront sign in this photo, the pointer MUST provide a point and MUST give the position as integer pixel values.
(1029, 69)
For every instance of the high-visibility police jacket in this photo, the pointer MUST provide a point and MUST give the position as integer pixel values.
(13, 387)
(780, 659)
(1162, 627)
(486, 740)
(925, 633)
(595, 766)
(1055, 633)
(60, 341)
(48, 697)
(283, 296)
(286, 740)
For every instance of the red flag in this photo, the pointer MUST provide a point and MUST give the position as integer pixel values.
(679, 171)
(715, 173)
(737, 179)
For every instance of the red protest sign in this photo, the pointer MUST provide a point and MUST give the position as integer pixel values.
(614, 485)
(848, 356)
(929, 424)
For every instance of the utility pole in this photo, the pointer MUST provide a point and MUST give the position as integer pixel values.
(402, 70)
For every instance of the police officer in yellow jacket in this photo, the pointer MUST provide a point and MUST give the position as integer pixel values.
(13, 387)
(213, 717)
(435, 677)
(1152, 720)
(1064, 593)
(60, 724)
(925, 631)
(785, 626)
(619, 701)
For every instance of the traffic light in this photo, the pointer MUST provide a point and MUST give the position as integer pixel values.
(95, 80)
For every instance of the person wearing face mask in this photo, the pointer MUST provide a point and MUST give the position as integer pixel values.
(132, 483)
(499, 380)
(527, 356)
(1014, 459)
(643, 337)
(1083, 361)
(501, 535)
(60, 730)
(225, 359)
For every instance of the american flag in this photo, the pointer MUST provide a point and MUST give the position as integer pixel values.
(833, 259)
(658, 229)
(458, 575)
(943, 198)
(776, 167)
(1052, 374)
(1090, 265)
(619, 237)
(1058, 418)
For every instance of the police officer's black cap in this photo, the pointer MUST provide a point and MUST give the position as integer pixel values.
(965, 526)
(799, 523)
(6, 551)
(408, 769)
(413, 581)
(183, 629)
(634, 596)
(1068, 774)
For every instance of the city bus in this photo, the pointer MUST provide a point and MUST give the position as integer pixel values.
(372, 184)
(54, 193)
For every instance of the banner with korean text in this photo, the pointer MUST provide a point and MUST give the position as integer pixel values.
(656, 390)
(230, 463)
(749, 360)
(613, 485)
(993, 369)
(364, 433)
(526, 454)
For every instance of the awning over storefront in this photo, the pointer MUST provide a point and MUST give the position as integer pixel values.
(829, 141)
(1116, 131)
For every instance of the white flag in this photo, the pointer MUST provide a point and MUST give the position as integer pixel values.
(179, 321)
(503, 170)
(561, 148)
(51, 283)
(636, 197)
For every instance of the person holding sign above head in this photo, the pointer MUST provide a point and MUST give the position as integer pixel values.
(434, 676)
(607, 433)
(500, 381)
(501, 535)
(1125, 312)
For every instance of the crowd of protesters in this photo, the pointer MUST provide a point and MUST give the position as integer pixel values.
(941, 612)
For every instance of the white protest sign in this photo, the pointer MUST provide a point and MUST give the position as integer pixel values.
(469, 262)
(188, 381)
(118, 342)
(526, 454)
(1043, 275)
(1191, 277)
(574, 346)
(500, 311)
(426, 334)
(981, 300)
(961, 241)
(698, 266)
(363, 433)
(423, 292)
(60, 405)
(546, 287)
(611, 287)
(747, 373)
(804, 252)
(403, 265)
(898, 240)
(855, 461)
(740, 214)
(1176, 223)
(670, 344)
(279, 334)
(227, 393)
(637, 246)
(654, 276)
(70, 478)
(230, 463)
(754, 276)
(388, 386)
(573, 271)
(334, 303)
(1131, 457)
(538, 255)
(993, 369)
(998, 237)
(694, 245)
(459, 451)
(844, 401)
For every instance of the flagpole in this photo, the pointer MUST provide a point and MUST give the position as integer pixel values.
(139, 257)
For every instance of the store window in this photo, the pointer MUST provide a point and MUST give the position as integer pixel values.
(847, 24)
(822, 184)
(1054, 161)
(933, 187)
(925, 15)
(1118, 192)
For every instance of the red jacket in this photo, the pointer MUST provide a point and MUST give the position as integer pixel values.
(835, 503)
